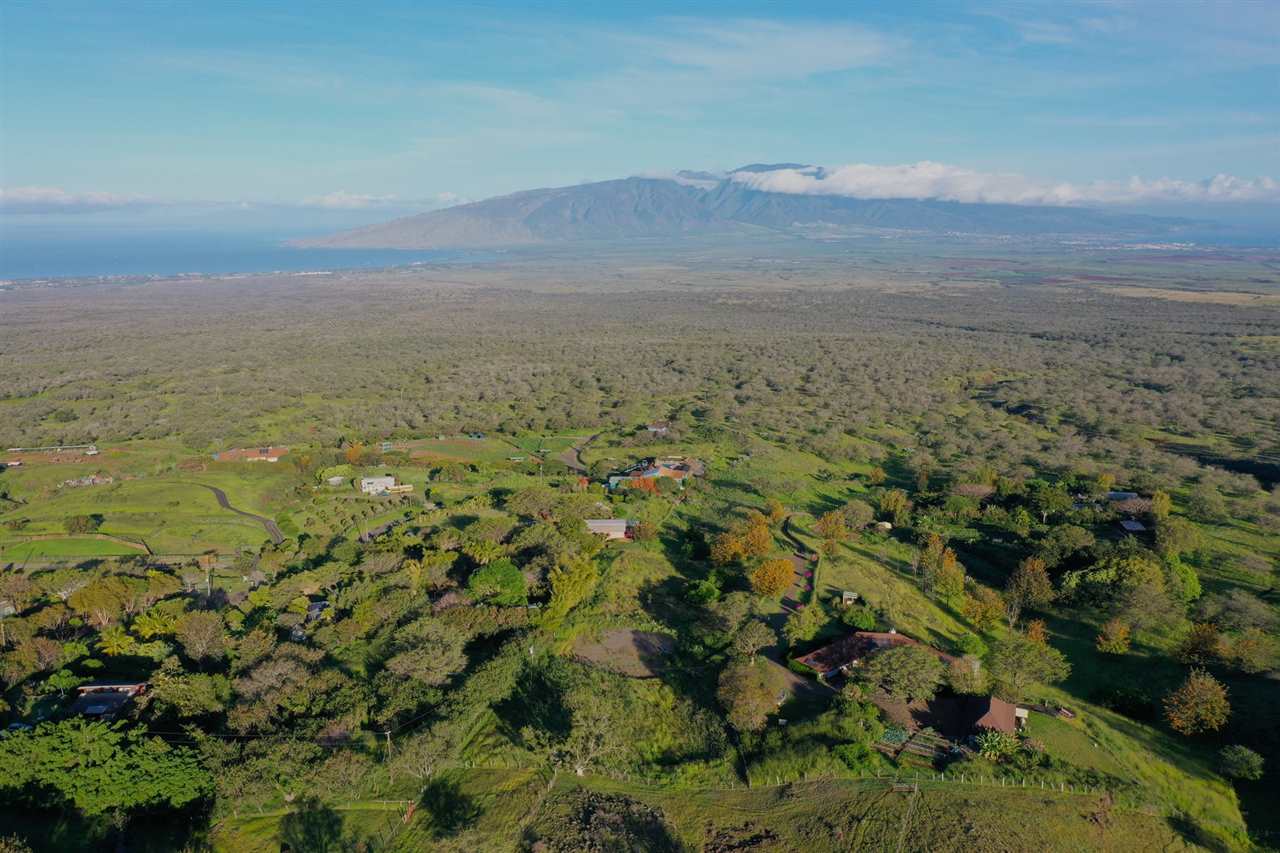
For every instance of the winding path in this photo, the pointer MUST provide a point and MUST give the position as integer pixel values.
(573, 456)
(273, 529)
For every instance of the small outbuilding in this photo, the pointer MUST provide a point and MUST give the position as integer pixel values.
(105, 700)
(610, 528)
(1130, 525)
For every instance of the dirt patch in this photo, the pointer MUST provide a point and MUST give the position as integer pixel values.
(636, 654)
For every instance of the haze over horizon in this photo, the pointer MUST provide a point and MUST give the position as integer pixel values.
(137, 115)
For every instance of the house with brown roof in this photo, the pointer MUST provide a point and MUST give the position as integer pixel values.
(953, 716)
(847, 652)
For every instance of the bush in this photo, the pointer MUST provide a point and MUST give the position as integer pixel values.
(862, 618)
(1240, 762)
(500, 582)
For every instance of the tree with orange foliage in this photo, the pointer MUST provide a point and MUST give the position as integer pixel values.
(757, 540)
(354, 453)
(1037, 631)
(1199, 705)
(727, 548)
(983, 607)
(1113, 639)
(773, 578)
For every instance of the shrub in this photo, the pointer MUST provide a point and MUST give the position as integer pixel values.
(1240, 762)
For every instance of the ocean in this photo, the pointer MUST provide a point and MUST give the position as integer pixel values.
(25, 256)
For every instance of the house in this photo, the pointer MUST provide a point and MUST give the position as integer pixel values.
(104, 700)
(316, 610)
(839, 657)
(956, 717)
(380, 485)
(336, 481)
(1128, 525)
(1116, 497)
(255, 454)
(659, 427)
(678, 468)
(611, 528)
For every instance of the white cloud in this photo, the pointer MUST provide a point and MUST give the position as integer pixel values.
(343, 200)
(58, 200)
(767, 49)
(929, 180)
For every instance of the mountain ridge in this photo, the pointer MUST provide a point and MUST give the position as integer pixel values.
(705, 203)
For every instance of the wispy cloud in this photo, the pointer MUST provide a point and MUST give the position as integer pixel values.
(58, 200)
(343, 200)
(929, 180)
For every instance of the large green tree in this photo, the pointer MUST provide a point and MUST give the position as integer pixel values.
(97, 768)
(905, 673)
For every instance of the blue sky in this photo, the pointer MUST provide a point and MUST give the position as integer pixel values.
(375, 106)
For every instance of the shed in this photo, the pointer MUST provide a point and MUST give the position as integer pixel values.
(610, 528)
(1131, 526)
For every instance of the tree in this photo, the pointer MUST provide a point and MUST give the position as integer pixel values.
(428, 651)
(752, 637)
(482, 551)
(98, 768)
(571, 583)
(984, 608)
(500, 582)
(1017, 663)
(82, 523)
(896, 505)
(727, 548)
(1048, 499)
(1177, 536)
(803, 625)
(951, 577)
(1206, 504)
(749, 693)
(1113, 639)
(1240, 762)
(597, 731)
(1199, 705)
(757, 540)
(1252, 651)
(775, 511)
(1028, 586)
(1037, 631)
(773, 578)
(905, 673)
(114, 642)
(966, 675)
(1161, 505)
(201, 636)
(830, 525)
(857, 514)
(1202, 645)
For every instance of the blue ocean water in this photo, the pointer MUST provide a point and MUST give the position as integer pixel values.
(150, 252)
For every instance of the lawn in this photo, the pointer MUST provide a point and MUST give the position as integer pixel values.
(502, 810)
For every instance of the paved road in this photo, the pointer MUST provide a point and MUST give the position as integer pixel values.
(273, 529)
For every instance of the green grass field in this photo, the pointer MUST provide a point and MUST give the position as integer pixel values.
(504, 810)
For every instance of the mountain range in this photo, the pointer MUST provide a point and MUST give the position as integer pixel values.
(690, 203)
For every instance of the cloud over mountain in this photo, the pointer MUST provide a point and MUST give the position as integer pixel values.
(943, 182)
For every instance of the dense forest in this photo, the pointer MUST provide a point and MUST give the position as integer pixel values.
(1037, 481)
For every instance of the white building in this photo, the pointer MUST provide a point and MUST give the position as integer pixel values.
(377, 485)
(610, 528)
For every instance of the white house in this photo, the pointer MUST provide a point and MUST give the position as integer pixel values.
(610, 528)
(377, 485)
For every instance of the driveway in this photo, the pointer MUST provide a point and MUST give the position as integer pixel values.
(273, 529)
